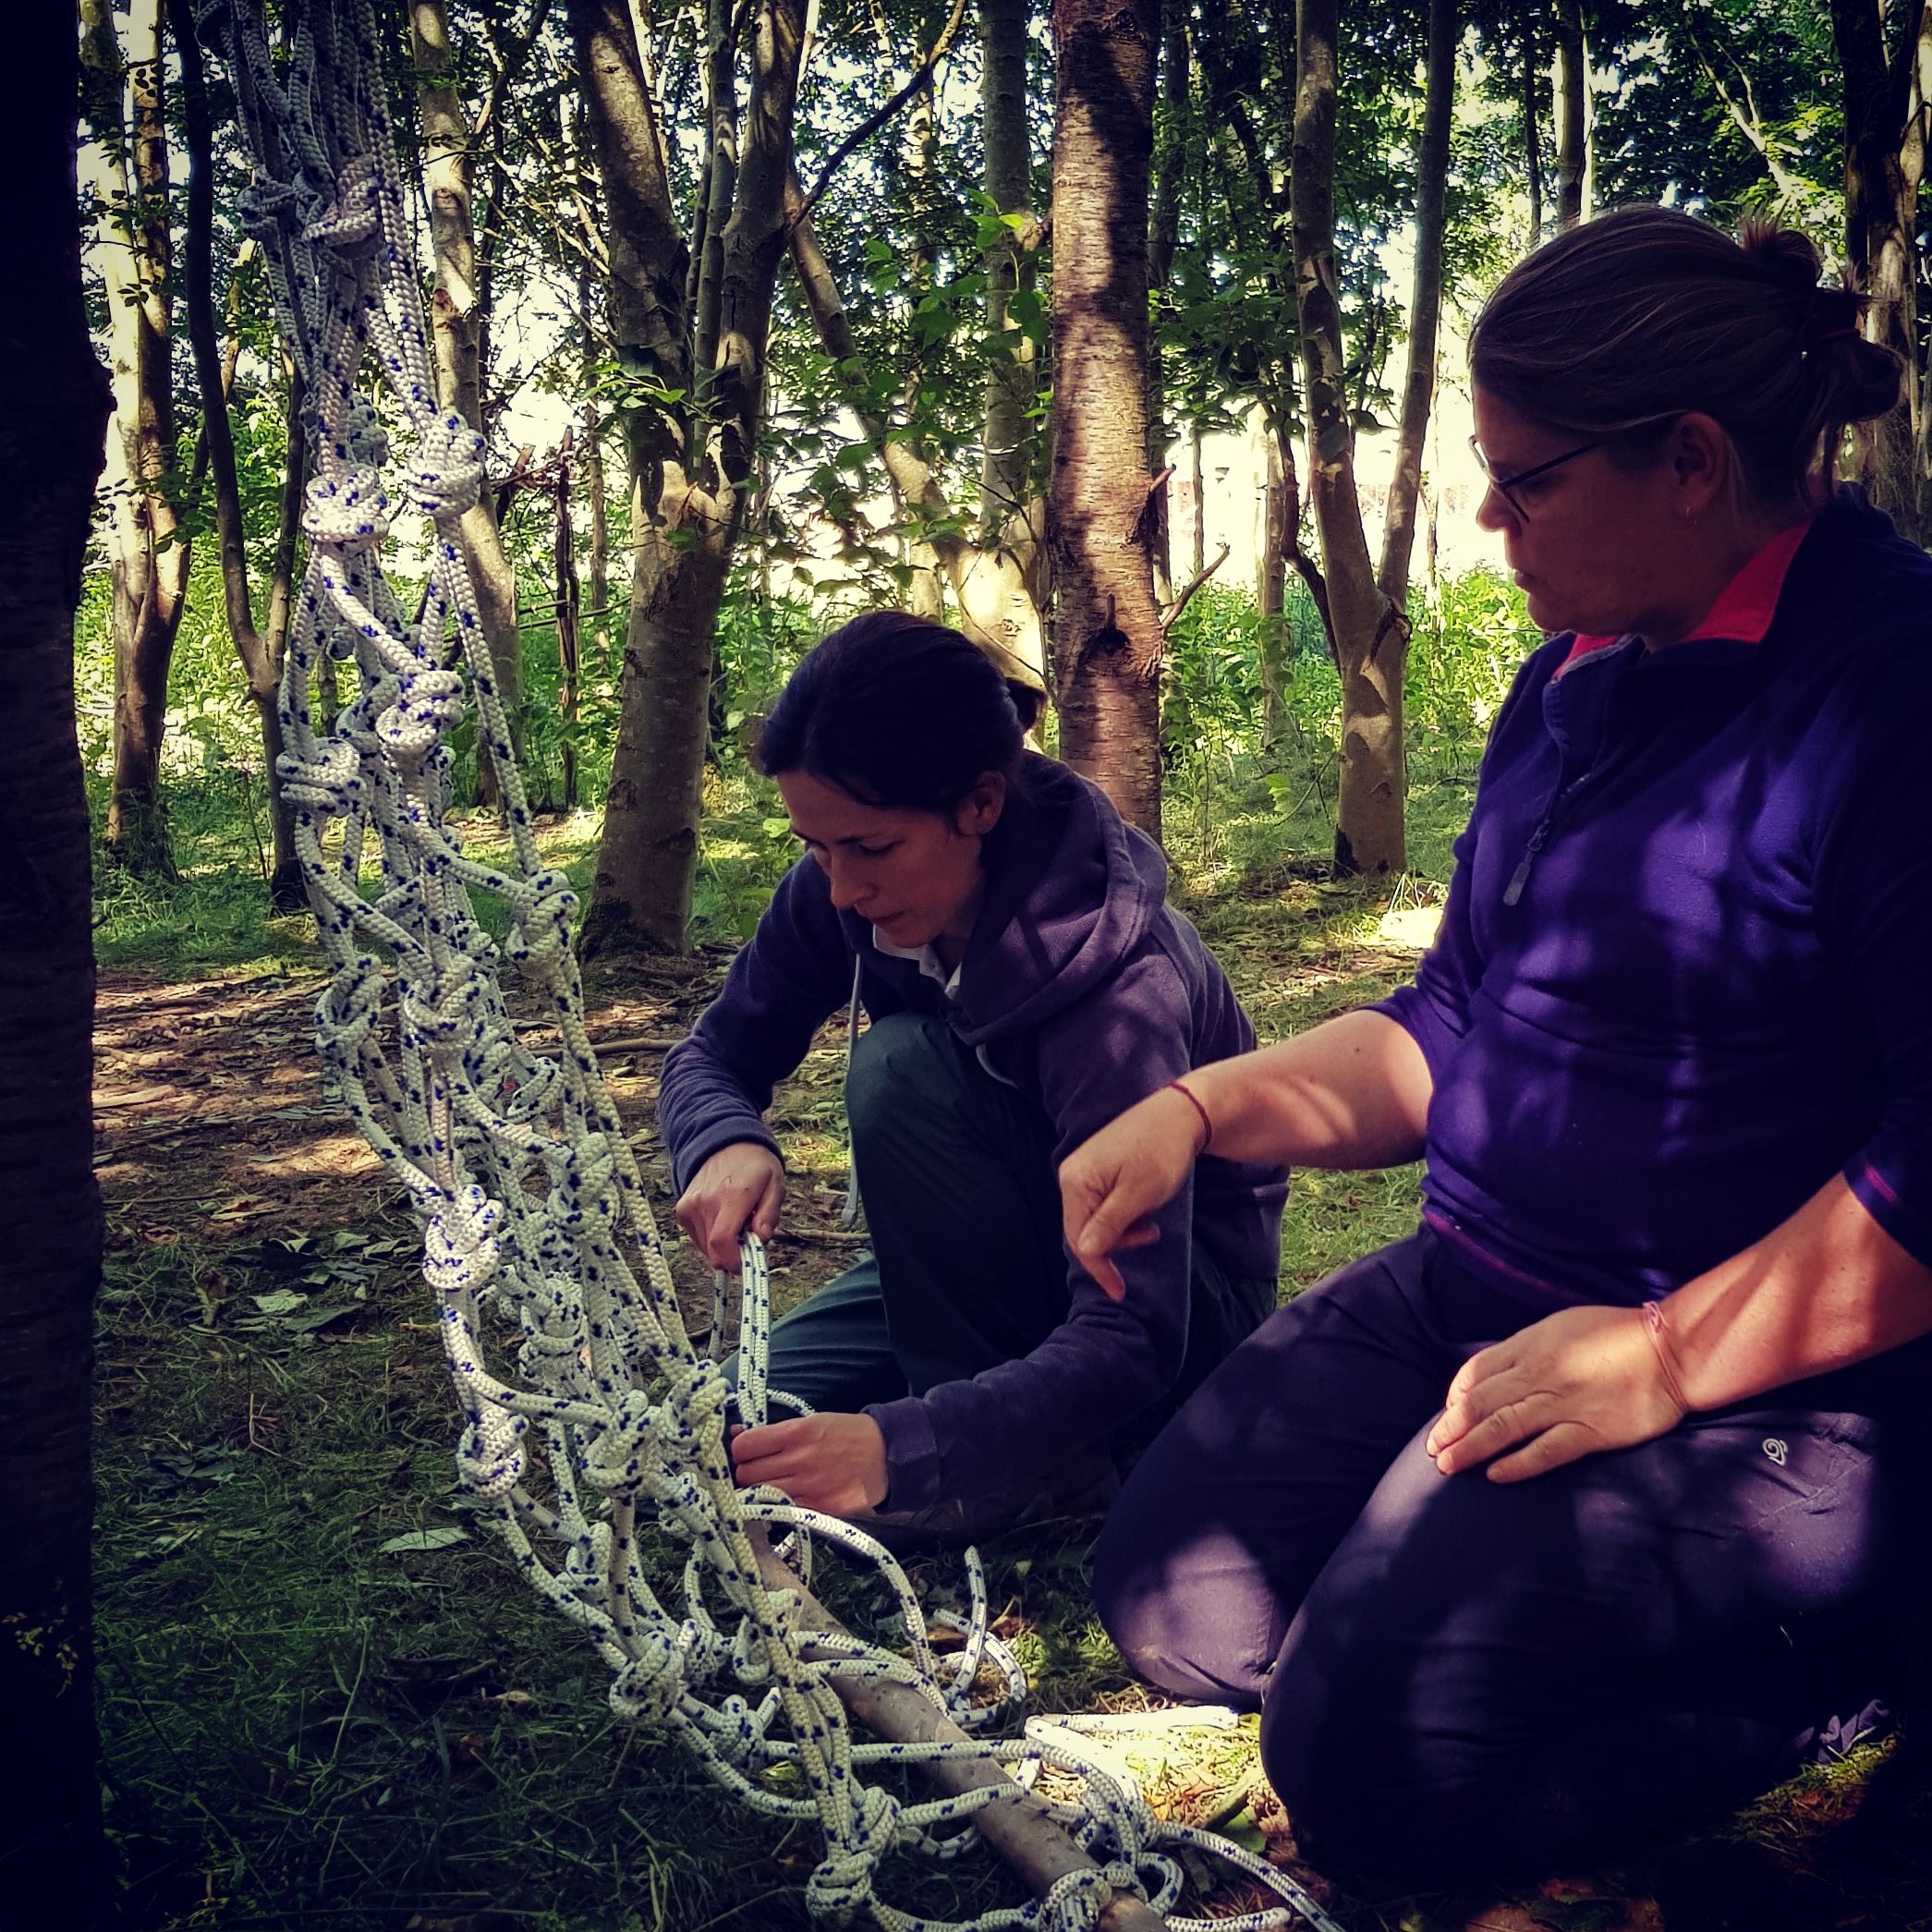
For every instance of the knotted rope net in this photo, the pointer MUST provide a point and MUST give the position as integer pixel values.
(584, 1403)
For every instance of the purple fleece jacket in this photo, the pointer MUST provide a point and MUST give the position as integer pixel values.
(1681, 977)
(1085, 991)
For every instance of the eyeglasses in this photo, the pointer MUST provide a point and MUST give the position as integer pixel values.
(1505, 486)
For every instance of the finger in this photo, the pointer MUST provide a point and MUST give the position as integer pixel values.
(1107, 1227)
(1488, 1435)
(764, 1221)
(1567, 1442)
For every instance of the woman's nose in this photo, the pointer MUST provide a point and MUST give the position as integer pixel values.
(1495, 512)
(846, 886)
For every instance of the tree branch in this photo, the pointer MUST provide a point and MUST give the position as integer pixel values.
(870, 125)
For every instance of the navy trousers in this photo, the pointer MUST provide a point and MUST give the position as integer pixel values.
(1462, 1679)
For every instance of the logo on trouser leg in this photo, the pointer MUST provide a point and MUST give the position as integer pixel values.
(1775, 1450)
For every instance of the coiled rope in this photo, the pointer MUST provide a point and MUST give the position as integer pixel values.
(537, 1239)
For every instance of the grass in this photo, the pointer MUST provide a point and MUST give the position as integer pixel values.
(300, 1728)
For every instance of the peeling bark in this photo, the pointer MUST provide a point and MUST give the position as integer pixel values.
(1100, 519)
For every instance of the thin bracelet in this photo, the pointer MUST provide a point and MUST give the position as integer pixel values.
(1658, 1331)
(1208, 1140)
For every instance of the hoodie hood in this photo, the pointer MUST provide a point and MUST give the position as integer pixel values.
(1071, 890)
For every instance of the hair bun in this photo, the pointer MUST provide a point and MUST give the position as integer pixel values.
(1028, 701)
(1787, 256)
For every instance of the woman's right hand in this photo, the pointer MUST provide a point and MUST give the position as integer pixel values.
(740, 1186)
(1111, 1186)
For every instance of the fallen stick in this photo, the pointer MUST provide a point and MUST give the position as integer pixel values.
(1020, 1827)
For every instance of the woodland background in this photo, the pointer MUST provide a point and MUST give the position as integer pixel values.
(773, 310)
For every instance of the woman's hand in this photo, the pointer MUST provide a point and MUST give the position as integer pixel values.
(1111, 1185)
(831, 1462)
(1577, 1382)
(740, 1186)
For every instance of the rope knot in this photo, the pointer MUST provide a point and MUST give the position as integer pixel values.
(428, 703)
(352, 223)
(649, 1688)
(262, 205)
(329, 781)
(459, 1247)
(447, 476)
(840, 1886)
(349, 515)
(489, 1455)
(618, 1459)
(542, 936)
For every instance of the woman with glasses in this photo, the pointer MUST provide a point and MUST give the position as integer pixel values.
(1579, 1511)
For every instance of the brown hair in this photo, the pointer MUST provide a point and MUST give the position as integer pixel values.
(1634, 319)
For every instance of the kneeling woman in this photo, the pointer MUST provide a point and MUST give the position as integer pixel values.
(1579, 1510)
(1024, 981)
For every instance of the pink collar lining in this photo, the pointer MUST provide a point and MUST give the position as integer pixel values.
(1745, 606)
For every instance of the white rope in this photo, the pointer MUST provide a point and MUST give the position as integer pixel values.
(584, 1401)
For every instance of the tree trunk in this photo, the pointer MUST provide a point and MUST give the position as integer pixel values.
(1371, 635)
(1100, 521)
(261, 654)
(688, 468)
(600, 558)
(150, 556)
(1163, 236)
(1006, 468)
(1425, 308)
(1571, 78)
(564, 558)
(1533, 117)
(458, 319)
(1271, 582)
(1883, 97)
(53, 409)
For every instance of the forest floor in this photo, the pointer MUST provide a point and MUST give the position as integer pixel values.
(304, 1724)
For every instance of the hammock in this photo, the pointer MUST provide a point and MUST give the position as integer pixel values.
(584, 1401)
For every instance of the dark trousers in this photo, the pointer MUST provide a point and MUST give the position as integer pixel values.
(1460, 1679)
(967, 1268)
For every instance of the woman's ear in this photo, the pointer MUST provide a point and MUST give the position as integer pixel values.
(1704, 462)
(978, 811)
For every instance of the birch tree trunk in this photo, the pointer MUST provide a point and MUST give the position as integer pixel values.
(53, 408)
(1425, 305)
(1885, 96)
(1101, 522)
(459, 318)
(1371, 635)
(1006, 470)
(149, 555)
(1571, 78)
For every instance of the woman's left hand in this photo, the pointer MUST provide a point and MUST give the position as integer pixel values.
(831, 1462)
(1577, 1382)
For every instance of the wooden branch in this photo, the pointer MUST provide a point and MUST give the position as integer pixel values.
(1020, 1827)
(639, 1043)
(870, 125)
(1200, 578)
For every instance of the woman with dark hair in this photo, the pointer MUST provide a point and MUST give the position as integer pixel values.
(1024, 981)
(1580, 1509)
